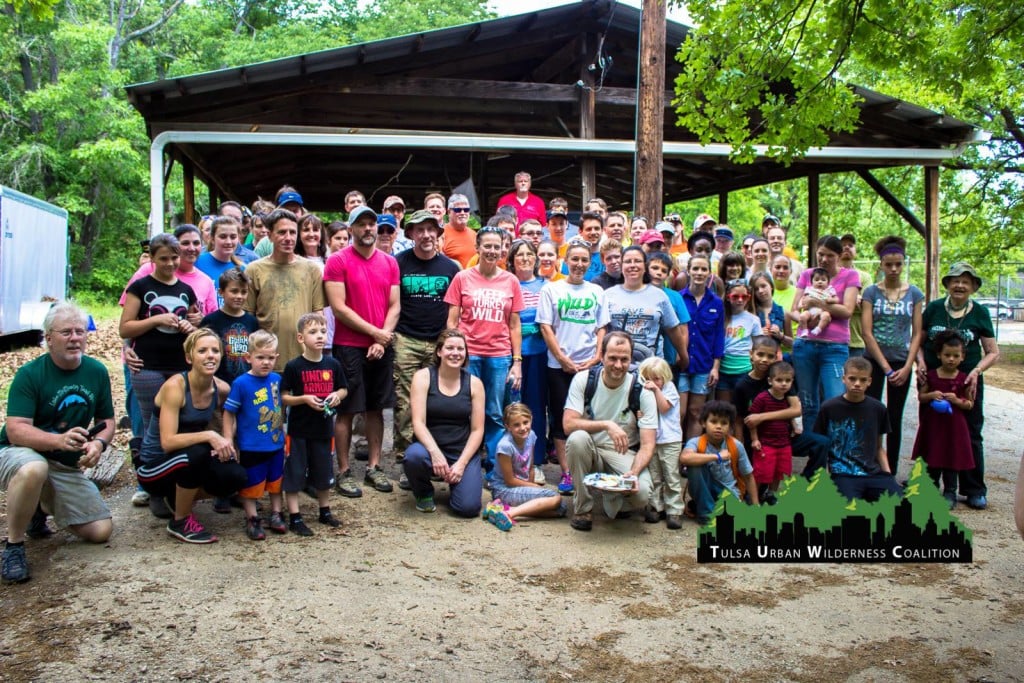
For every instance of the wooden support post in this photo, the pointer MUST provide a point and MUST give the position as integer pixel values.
(813, 188)
(189, 179)
(723, 207)
(212, 197)
(588, 120)
(650, 115)
(931, 232)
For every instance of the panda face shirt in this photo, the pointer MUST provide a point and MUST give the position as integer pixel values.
(161, 348)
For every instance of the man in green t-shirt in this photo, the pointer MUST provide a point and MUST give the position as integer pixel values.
(46, 442)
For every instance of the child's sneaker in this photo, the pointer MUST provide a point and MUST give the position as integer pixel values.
(276, 523)
(500, 519)
(140, 498)
(189, 530)
(329, 519)
(254, 529)
(493, 507)
(538, 476)
(565, 486)
(299, 528)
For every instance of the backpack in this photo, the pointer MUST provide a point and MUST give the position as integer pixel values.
(734, 457)
(594, 374)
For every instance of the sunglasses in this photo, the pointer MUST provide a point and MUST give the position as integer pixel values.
(459, 209)
(738, 297)
(386, 229)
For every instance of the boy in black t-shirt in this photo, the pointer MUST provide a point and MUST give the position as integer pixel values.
(312, 386)
(232, 324)
(855, 424)
(763, 352)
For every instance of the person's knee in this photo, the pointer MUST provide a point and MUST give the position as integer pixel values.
(466, 506)
(578, 443)
(94, 532)
(29, 476)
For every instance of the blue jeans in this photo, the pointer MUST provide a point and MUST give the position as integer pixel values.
(819, 372)
(534, 394)
(465, 496)
(493, 373)
(704, 490)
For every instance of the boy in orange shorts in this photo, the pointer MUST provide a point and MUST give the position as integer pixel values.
(253, 417)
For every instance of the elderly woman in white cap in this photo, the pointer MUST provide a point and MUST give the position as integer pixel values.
(972, 321)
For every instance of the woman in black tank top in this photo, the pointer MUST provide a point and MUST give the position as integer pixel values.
(182, 458)
(448, 422)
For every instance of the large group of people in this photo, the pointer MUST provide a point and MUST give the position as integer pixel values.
(258, 342)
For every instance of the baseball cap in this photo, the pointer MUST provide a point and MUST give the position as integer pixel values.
(290, 198)
(386, 219)
(361, 210)
(558, 212)
(848, 237)
(724, 231)
(392, 201)
(651, 236)
(770, 219)
(665, 227)
(700, 220)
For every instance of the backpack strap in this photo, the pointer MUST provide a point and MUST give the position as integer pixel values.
(734, 459)
(590, 389)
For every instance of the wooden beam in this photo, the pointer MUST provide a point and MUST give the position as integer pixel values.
(559, 61)
(650, 114)
(588, 120)
(931, 234)
(813, 190)
(723, 207)
(189, 179)
(890, 199)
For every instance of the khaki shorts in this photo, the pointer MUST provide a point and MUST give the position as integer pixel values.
(67, 494)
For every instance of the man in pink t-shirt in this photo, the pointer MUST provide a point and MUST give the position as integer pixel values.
(526, 204)
(362, 289)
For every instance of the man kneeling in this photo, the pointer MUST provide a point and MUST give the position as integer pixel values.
(611, 428)
(46, 442)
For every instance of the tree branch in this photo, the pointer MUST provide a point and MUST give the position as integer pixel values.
(155, 25)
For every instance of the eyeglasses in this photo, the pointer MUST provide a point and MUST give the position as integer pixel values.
(531, 233)
(71, 332)
(459, 209)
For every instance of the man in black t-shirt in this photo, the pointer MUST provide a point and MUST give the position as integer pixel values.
(425, 275)
(763, 352)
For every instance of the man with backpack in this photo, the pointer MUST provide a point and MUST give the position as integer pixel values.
(611, 425)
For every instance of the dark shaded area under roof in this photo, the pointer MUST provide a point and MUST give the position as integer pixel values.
(509, 76)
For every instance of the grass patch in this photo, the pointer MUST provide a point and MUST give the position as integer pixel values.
(1011, 353)
(100, 307)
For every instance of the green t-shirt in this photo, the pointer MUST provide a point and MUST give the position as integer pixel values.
(975, 325)
(57, 400)
(856, 337)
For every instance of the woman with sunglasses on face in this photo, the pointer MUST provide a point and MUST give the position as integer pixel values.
(522, 259)
(484, 302)
(819, 359)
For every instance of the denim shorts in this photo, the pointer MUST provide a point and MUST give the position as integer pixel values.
(727, 381)
(693, 384)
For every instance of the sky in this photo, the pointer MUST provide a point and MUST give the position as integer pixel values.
(508, 7)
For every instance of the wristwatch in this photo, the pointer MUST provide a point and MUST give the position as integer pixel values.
(103, 442)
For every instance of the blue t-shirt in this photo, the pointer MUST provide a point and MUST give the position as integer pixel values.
(256, 403)
(668, 351)
(722, 472)
(212, 268)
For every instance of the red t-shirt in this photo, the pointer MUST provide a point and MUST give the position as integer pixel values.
(368, 283)
(486, 306)
(459, 245)
(533, 208)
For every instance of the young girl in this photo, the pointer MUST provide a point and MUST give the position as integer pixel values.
(706, 342)
(515, 493)
(814, 320)
(220, 250)
(667, 483)
(770, 445)
(943, 439)
(740, 325)
(771, 315)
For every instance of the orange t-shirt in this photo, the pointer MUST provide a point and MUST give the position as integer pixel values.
(459, 245)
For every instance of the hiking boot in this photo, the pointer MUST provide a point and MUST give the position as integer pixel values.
(565, 486)
(361, 452)
(189, 530)
(346, 485)
(977, 502)
(37, 528)
(674, 522)
(159, 507)
(140, 498)
(652, 516)
(329, 519)
(222, 506)
(276, 523)
(950, 497)
(254, 529)
(15, 565)
(403, 483)
(581, 522)
(425, 504)
(376, 478)
(298, 527)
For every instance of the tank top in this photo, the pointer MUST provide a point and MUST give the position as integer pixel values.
(190, 421)
(449, 417)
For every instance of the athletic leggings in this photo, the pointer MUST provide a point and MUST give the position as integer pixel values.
(193, 468)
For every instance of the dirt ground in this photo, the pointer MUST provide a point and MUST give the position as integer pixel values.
(399, 595)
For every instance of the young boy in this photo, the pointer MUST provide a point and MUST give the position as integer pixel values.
(312, 386)
(855, 424)
(763, 353)
(232, 324)
(709, 461)
(253, 415)
(771, 450)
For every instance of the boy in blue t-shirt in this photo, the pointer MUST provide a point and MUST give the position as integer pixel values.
(232, 323)
(312, 386)
(709, 461)
(253, 416)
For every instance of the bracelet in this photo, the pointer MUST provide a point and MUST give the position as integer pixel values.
(515, 358)
(890, 373)
(719, 456)
(103, 442)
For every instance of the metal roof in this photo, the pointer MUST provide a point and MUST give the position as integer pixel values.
(512, 76)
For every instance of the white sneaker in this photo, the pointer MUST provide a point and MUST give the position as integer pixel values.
(140, 498)
(538, 476)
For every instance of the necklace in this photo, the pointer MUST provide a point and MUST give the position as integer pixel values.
(959, 314)
(889, 297)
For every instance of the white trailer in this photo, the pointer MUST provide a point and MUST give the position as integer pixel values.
(33, 260)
